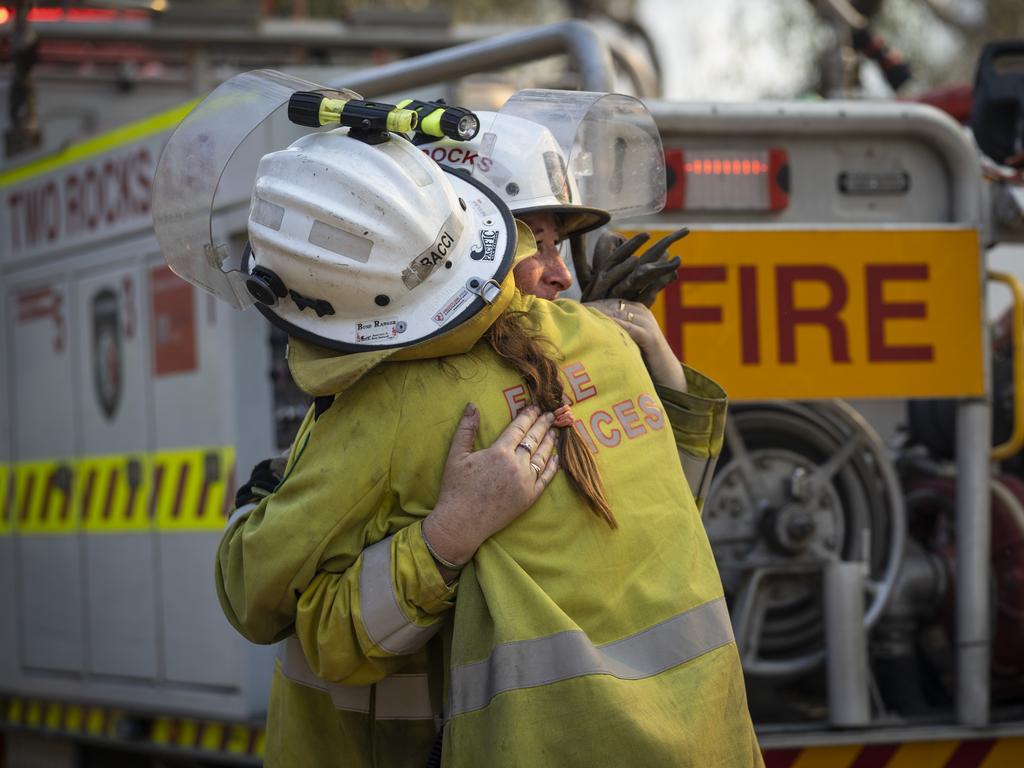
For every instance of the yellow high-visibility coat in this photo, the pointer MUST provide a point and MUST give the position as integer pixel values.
(569, 644)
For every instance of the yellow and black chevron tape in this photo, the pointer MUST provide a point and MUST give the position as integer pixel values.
(180, 490)
(191, 488)
(952, 753)
(207, 736)
(105, 723)
(60, 717)
(112, 493)
(44, 497)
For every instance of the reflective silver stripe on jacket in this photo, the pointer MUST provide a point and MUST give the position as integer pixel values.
(528, 663)
(385, 622)
(399, 697)
(698, 471)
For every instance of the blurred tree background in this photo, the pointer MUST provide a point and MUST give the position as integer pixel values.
(942, 38)
(460, 11)
(737, 48)
(720, 49)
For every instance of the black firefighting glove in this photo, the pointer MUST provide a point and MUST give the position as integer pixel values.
(263, 481)
(616, 274)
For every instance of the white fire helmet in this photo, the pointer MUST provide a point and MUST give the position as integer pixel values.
(521, 161)
(358, 247)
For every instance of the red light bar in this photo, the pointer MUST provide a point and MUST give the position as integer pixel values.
(75, 15)
(727, 179)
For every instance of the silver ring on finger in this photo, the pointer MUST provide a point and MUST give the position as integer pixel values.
(527, 445)
(630, 316)
(622, 305)
(536, 468)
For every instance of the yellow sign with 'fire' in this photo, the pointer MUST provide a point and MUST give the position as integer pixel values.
(829, 313)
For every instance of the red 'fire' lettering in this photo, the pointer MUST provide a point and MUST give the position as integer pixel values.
(879, 310)
(791, 316)
(677, 315)
(750, 341)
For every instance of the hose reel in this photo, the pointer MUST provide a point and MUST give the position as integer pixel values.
(800, 485)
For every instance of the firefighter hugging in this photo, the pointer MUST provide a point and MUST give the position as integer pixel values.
(482, 548)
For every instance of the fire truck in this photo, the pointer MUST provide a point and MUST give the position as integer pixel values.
(869, 535)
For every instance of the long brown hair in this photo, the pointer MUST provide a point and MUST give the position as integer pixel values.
(511, 341)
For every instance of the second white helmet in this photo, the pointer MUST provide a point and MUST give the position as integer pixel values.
(522, 162)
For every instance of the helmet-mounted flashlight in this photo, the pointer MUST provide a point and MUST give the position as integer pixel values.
(314, 110)
(437, 119)
(372, 118)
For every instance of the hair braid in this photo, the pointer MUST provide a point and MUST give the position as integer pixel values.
(511, 341)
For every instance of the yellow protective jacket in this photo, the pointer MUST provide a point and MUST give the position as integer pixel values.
(570, 644)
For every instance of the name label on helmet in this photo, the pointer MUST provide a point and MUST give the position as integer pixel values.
(458, 156)
(434, 257)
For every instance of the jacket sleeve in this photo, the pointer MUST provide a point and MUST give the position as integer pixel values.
(328, 556)
(356, 627)
(697, 417)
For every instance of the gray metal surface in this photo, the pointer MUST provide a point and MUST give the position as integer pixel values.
(121, 607)
(9, 608)
(41, 368)
(120, 584)
(973, 546)
(586, 48)
(836, 120)
(50, 603)
(8, 602)
(847, 641)
(48, 575)
(200, 647)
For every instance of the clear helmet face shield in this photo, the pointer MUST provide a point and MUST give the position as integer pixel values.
(193, 163)
(610, 144)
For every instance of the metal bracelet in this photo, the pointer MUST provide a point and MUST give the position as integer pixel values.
(440, 560)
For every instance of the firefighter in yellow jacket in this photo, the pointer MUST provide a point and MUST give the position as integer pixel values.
(590, 628)
(572, 643)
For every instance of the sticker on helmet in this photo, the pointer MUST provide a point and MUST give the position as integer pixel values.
(483, 207)
(488, 246)
(458, 156)
(374, 331)
(557, 178)
(437, 254)
(453, 306)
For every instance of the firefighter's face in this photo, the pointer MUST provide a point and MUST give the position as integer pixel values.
(545, 274)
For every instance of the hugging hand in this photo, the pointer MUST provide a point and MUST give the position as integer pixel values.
(483, 491)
